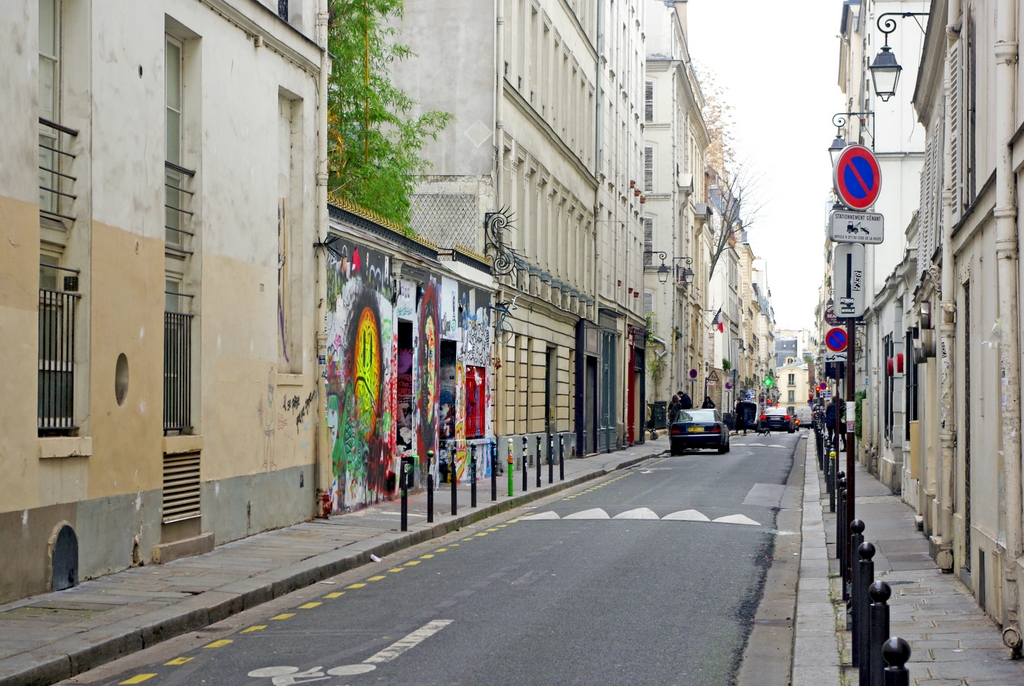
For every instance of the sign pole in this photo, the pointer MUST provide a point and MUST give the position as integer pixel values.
(851, 488)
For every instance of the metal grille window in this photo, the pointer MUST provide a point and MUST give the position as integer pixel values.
(177, 371)
(56, 392)
(55, 184)
(181, 487)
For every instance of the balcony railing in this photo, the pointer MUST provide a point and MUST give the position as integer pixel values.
(177, 372)
(55, 184)
(177, 216)
(56, 396)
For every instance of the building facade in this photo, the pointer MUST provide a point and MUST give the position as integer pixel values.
(157, 314)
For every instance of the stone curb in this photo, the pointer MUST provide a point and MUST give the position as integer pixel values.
(76, 654)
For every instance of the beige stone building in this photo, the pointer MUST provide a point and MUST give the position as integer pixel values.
(158, 204)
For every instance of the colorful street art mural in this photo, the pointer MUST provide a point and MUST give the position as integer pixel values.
(361, 374)
(398, 355)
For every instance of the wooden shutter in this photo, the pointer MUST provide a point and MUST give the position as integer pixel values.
(648, 169)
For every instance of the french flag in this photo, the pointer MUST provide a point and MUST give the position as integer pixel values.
(718, 323)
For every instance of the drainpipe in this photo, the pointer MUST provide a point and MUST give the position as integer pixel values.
(947, 306)
(499, 106)
(1006, 267)
(321, 441)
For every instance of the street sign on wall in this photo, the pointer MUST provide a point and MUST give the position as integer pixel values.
(830, 315)
(856, 227)
(857, 177)
(848, 272)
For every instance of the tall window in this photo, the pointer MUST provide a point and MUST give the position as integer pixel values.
(648, 239)
(648, 169)
(49, 58)
(173, 142)
(792, 379)
(649, 101)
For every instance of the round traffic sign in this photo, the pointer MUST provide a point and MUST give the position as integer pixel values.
(822, 386)
(830, 316)
(835, 340)
(857, 177)
(693, 373)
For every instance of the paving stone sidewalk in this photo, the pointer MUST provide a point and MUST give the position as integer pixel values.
(953, 642)
(51, 637)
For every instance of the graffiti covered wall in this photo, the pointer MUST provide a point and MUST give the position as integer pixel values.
(362, 350)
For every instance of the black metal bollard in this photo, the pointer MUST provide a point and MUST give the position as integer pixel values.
(405, 476)
(539, 446)
(551, 459)
(472, 477)
(561, 458)
(830, 478)
(526, 474)
(880, 594)
(453, 477)
(494, 470)
(896, 653)
(430, 486)
(864, 577)
(856, 538)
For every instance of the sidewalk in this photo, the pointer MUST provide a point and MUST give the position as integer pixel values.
(952, 641)
(51, 637)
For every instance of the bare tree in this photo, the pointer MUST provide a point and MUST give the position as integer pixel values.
(733, 197)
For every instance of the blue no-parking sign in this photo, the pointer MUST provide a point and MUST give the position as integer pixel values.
(857, 177)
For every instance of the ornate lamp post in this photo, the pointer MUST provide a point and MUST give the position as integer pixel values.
(885, 70)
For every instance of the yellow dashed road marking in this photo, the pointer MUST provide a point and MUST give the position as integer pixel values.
(258, 627)
(355, 586)
(285, 615)
(138, 679)
(482, 533)
(412, 563)
(426, 557)
(219, 644)
(178, 661)
(453, 545)
(310, 606)
(441, 550)
(396, 570)
(501, 526)
(376, 578)
(494, 529)
(336, 594)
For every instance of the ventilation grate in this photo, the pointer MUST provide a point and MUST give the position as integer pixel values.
(181, 487)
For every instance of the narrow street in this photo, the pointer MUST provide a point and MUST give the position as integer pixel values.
(618, 581)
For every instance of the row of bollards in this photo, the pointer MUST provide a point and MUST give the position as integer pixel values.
(408, 461)
(881, 659)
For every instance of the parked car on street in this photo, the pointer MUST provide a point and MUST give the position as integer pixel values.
(777, 419)
(698, 429)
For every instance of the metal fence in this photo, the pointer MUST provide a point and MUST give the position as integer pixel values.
(177, 371)
(55, 184)
(56, 392)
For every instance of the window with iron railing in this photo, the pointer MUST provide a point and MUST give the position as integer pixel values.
(56, 371)
(55, 159)
(177, 363)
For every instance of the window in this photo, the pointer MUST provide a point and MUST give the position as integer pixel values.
(648, 302)
(649, 101)
(476, 401)
(791, 397)
(282, 9)
(792, 381)
(49, 58)
(174, 181)
(648, 239)
(648, 169)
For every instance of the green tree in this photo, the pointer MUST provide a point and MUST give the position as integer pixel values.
(374, 139)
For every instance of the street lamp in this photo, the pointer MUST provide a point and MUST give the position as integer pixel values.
(839, 120)
(838, 144)
(686, 274)
(663, 270)
(885, 70)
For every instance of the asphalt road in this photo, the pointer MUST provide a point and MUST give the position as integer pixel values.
(665, 595)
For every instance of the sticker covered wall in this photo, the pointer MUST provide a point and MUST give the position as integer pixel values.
(361, 382)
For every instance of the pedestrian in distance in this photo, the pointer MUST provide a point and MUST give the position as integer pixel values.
(687, 403)
(673, 407)
(708, 404)
(741, 418)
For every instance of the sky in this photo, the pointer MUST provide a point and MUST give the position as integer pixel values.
(779, 63)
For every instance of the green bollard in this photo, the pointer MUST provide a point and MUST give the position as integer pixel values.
(511, 464)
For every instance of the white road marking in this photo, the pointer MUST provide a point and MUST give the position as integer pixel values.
(638, 513)
(410, 641)
(349, 670)
(737, 519)
(594, 513)
(687, 516)
(542, 515)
